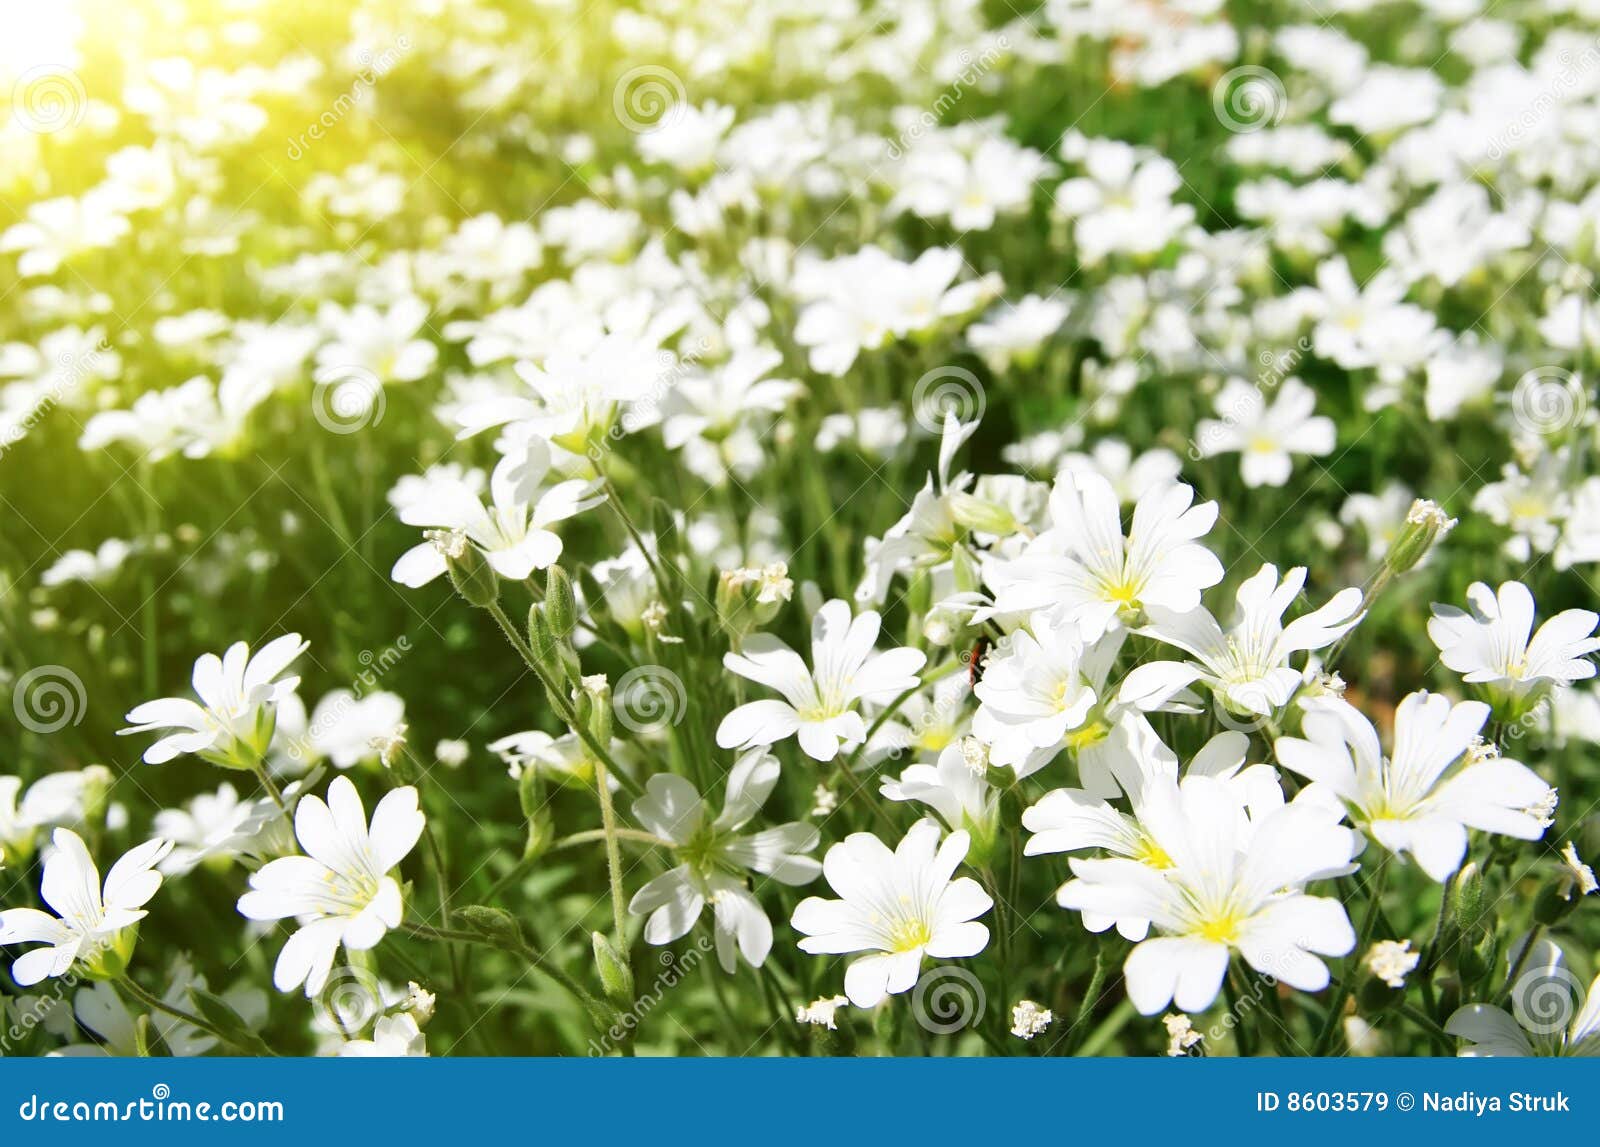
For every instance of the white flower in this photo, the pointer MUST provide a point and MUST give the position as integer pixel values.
(96, 567)
(1033, 693)
(512, 531)
(1491, 644)
(1391, 961)
(1016, 331)
(1123, 201)
(342, 891)
(600, 369)
(1530, 505)
(708, 413)
(194, 418)
(1132, 478)
(1388, 98)
(344, 726)
(715, 855)
(16, 830)
(1028, 1019)
(961, 795)
(1405, 799)
(213, 825)
(1265, 436)
(820, 702)
(687, 137)
(1084, 569)
(56, 230)
(1491, 1031)
(1247, 665)
(1076, 819)
(898, 905)
(865, 300)
(233, 723)
(967, 177)
(93, 925)
(1580, 533)
(874, 431)
(382, 344)
(1228, 889)
(394, 1036)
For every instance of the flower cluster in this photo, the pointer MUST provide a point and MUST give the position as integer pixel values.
(908, 528)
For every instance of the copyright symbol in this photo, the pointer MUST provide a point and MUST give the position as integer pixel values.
(1405, 1101)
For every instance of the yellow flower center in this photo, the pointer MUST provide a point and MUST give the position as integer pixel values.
(908, 935)
(1222, 928)
(1148, 852)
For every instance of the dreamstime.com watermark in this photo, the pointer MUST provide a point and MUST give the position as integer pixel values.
(974, 67)
(157, 1107)
(374, 66)
(374, 667)
(66, 378)
(674, 968)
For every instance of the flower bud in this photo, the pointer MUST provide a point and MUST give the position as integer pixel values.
(494, 924)
(1467, 898)
(561, 608)
(470, 572)
(594, 705)
(1426, 524)
(1475, 956)
(1551, 906)
(615, 976)
(981, 514)
(541, 635)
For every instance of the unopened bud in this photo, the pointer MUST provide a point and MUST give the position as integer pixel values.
(980, 514)
(1426, 524)
(493, 924)
(615, 975)
(560, 606)
(1552, 905)
(470, 573)
(541, 635)
(1467, 897)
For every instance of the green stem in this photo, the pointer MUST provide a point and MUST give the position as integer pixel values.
(592, 835)
(156, 1003)
(524, 950)
(608, 821)
(1330, 1026)
(1108, 1029)
(1522, 958)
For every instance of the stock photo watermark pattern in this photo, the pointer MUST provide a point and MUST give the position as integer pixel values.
(778, 547)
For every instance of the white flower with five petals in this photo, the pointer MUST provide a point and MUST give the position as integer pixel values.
(343, 890)
(714, 856)
(1493, 643)
(819, 702)
(233, 722)
(899, 906)
(93, 925)
(1084, 568)
(512, 531)
(1411, 800)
